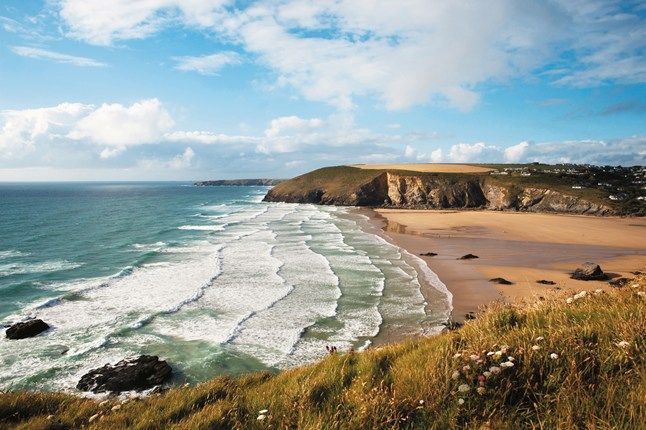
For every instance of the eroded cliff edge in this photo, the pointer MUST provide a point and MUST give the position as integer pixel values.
(350, 186)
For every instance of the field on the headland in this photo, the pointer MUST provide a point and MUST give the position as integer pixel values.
(426, 167)
(566, 362)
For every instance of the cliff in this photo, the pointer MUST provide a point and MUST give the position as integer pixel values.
(239, 182)
(415, 190)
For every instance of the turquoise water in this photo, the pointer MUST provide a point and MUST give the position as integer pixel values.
(209, 278)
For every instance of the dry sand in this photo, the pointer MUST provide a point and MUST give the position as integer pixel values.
(427, 167)
(520, 247)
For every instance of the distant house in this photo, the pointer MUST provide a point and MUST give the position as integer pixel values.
(525, 174)
(577, 187)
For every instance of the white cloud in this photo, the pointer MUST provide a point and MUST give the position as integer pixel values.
(478, 152)
(21, 129)
(116, 125)
(515, 153)
(100, 22)
(404, 54)
(208, 64)
(183, 160)
(437, 156)
(42, 54)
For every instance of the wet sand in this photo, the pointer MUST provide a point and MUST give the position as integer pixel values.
(520, 247)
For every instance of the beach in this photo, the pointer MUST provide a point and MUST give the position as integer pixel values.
(522, 248)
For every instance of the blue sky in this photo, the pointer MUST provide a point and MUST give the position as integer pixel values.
(185, 89)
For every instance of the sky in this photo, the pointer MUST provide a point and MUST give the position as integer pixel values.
(217, 89)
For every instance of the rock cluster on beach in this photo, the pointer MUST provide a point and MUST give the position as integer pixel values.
(468, 257)
(501, 281)
(589, 272)
(26, 329)
(142, 373)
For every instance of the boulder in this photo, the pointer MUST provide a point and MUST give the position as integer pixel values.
(501, 281)
(545, 282)
(428, 254)
(619, 282)
(137, 374)
(589, 272)
(26, 329)
(468, 257)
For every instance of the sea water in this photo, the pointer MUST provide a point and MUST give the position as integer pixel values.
(211, 279)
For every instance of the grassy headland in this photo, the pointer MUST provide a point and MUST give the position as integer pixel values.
(568, 362)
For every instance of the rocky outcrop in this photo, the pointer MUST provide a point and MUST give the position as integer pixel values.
(142, 373)
(239, 182)
(589, 272)
(26, 329)
(431, 191)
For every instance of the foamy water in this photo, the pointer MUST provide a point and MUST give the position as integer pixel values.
(228, 285)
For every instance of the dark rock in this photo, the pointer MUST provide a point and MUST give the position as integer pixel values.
(453, 325)
(468, 257)
(469, 316)
(589, 272)
(545, 282)
(26, 329)
(428, 254)
(619, 282)
(637, 273)
(501, 281)
(138, 374)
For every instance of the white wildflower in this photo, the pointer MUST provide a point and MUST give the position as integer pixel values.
(457, 355)
(641, 294)
(580, 295)
(569, 300)
(93, 417)
(510, 358)
(623, 344)
(507, 364)
(494, 369)
(504, 349)
(497, 354)
(490, 353)
(463, 388)
(634, 285)
(421, 402)
(481, 390)
(263, 412)
(261, 417)
(598, 291)
(116, 408)
(539, 338)
(536, 347)
(455, 375)
(466, 368)
(474, 357)
(554, 356)
(460, 401)
(486, 373)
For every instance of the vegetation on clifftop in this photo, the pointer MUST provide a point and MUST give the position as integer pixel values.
(566, 362)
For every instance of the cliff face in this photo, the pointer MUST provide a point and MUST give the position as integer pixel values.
(397, 190)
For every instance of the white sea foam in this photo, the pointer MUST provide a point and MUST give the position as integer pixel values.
(202, 227)
(20, 268)
(11, 253)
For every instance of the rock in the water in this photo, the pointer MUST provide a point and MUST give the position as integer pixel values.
(619, 282)
(428, 254)
(468, 257)
(25, 329)
(589, 272)
(501, 281)
(137, 374)
(545, 282)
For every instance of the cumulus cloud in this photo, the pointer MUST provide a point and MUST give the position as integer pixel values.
(208, 64)
(118, 126)
(515, 153)
(478, 152)
(404, 54)
(43, 54)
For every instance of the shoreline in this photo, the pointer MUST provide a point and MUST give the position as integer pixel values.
(520, 247)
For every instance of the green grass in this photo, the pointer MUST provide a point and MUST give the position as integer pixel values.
(596, 382)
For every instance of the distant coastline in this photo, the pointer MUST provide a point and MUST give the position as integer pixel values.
(239, 182)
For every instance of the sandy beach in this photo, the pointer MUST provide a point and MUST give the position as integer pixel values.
(519, 247)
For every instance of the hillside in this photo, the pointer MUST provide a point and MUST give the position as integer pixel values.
(539, 188)
(567, 362)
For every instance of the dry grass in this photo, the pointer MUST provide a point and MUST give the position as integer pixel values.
(596, 380)
(427, 167)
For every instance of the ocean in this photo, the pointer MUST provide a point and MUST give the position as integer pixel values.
(211, 279)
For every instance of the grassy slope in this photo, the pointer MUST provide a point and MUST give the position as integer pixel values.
(595, 382)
